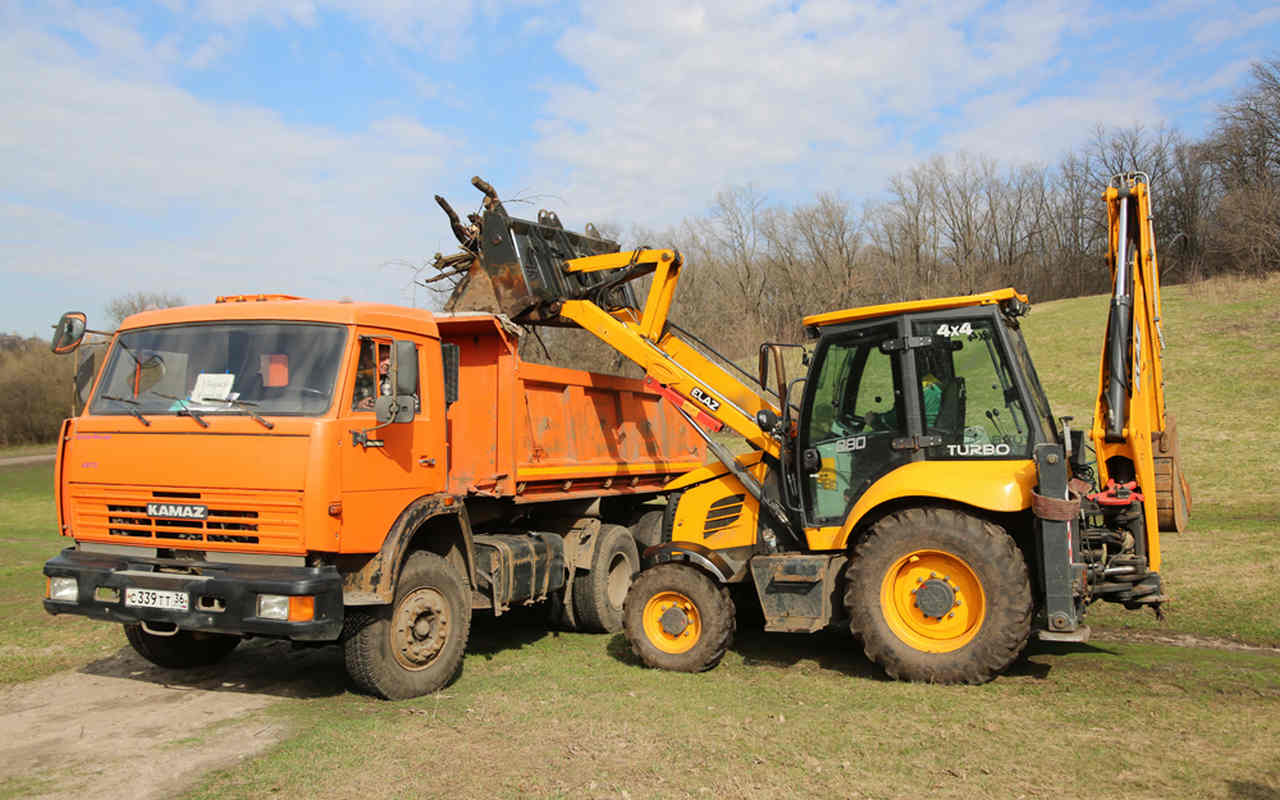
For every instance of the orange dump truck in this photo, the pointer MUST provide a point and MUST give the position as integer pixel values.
(349, 472)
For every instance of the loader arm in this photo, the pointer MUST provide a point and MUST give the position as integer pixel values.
(643, 336)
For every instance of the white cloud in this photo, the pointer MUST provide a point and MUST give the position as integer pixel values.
(124, 182)
(685, 98)
(1233, 23)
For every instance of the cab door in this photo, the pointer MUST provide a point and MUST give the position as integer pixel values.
(854, 420)
(402, 461)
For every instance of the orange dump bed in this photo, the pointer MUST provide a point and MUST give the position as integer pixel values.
(533, 432)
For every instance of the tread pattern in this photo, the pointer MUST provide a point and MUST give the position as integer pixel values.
(715, 604)
(591, 608)
(996, 559)
(367, 651)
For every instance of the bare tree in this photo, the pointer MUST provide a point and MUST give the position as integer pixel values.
(127, 304)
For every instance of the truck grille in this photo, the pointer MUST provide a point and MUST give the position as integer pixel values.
(269, 521)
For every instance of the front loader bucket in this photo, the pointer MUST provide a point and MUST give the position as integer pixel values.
(515, 266)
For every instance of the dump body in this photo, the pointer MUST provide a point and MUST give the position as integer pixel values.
(532, 432)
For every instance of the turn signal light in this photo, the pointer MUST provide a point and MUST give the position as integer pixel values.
(302, 608)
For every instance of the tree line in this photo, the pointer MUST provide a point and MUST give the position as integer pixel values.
(962, 223)
(952, 224)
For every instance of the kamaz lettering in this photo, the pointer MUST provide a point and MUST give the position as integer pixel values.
(176, 511)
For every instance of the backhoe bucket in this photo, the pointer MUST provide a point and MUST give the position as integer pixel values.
(515, 266)
(1173, 495)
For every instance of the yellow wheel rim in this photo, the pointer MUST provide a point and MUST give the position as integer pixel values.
(672, 622)
(933, 601)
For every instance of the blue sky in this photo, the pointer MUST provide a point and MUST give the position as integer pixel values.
(211, 147)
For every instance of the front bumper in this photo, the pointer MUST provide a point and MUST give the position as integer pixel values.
(232, 588)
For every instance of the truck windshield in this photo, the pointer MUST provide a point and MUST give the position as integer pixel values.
(275, 368)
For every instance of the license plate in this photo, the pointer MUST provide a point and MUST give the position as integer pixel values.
(155, 598)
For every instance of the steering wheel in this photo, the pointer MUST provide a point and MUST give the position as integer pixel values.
(312, 392)
(856, 421)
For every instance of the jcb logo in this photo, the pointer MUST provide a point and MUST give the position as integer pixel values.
(706, 399)
(954, 330)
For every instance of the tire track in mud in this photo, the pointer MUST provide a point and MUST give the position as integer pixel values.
(1174, 639)
(121, 727)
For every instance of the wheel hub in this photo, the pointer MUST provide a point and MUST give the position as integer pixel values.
(674, 621)
(935, 597)
(421, 628)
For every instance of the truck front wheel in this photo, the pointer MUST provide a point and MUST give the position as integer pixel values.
(939, 596)
(182, 650)
(414, 646)
(677, 618)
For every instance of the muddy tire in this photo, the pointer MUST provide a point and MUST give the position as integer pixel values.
(598, 595)
(679, 619)
(183, 650)
(414, 646)
(939, 596)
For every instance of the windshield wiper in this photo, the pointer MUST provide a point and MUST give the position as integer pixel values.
(243, 404)
(129, 405)
(190, 412)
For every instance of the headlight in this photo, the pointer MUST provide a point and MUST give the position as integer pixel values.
(66, 590)
(273, 606)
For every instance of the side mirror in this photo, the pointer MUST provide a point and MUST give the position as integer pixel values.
(69, 332)
(389, 409)
(811, 460)
(404, 368)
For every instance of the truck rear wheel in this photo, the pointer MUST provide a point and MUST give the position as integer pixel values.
(414, 646)
(940, 596)
(677, 618)
(182, 650)
(599, 594)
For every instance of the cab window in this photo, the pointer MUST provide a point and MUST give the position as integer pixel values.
(373, 374)
(968, 396)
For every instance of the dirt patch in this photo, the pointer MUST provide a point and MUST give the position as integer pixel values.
(1180, 640)
(121, 727)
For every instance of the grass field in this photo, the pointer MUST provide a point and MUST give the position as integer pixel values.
(546, 714)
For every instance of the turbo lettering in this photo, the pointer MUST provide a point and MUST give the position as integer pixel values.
(978, 450)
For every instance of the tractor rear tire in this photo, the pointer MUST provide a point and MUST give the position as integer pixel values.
(182, 650)
(415, 645)
(679, 619)
(599, 594)
(939, 596)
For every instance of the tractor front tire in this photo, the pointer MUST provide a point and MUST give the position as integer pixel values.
(678, 618)
(182, 650)
(939, 596)
(414, 646)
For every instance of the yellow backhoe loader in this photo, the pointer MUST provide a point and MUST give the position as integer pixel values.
(914, 485)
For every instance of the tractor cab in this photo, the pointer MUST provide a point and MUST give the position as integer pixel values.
(939, 380)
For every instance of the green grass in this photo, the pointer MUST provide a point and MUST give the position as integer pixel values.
(33, 643)
(542, 714)
(14, 451)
